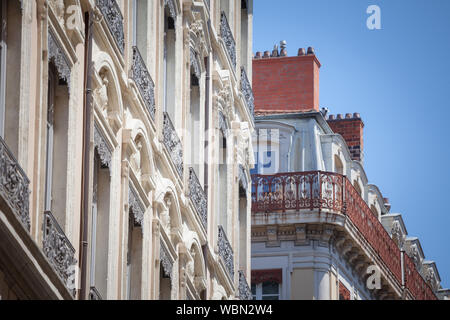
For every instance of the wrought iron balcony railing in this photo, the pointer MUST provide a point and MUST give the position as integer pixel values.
(143, 81)
(247, 91)
(198, 197)
(173, 144)
(59, 251)
(114, 19)
(14, 185)
(303, 191)
(244, 290)
(228, 39)
(226, 251)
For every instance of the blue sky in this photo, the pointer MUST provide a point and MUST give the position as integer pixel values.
(398, 78)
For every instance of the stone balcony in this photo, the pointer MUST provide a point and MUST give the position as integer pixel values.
(297, 197)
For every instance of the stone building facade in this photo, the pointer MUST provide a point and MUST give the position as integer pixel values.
(125, 149)
(320, 230)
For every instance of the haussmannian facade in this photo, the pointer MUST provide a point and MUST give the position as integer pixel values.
(125, 149)
(320, 230)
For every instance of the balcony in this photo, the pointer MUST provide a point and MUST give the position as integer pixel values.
(14, 185)
(244, 290)
(59, 251)
(173, 144)
(114, 20)
(198, 197)
(247, 91)
(324, 191)
(225, 251)
(227, 37)
(144, 82)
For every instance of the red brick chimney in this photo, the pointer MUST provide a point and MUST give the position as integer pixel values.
(284, 84)
(350, 128)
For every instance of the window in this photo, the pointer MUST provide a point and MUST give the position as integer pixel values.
(266, 291)
(56, 149)
(169, 64)
(244, 35)
(100, 227)
(140, 27)
(134, 259)
(338, 166)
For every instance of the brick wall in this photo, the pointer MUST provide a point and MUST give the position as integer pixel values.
(350, 128)
(286, 84)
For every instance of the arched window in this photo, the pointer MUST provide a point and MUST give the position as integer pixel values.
(338, 166)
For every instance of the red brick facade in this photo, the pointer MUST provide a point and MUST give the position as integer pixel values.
(351, 129)
(286, 84)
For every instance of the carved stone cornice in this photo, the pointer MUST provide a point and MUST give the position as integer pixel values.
(102, 148)
(58, 58)
(136, 207)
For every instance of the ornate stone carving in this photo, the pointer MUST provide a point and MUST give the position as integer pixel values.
(173, 144)
(244, 290)
(225, 251)
(144, 82)
(198, 197)
(114, 20)
(102, 148)
(14, 185)
(247, 91)
(227, 37)
(165, 260)
(194, 63)
(59, 251)
(172, 8)
(136, 207)
(58, 58)
(243, 177)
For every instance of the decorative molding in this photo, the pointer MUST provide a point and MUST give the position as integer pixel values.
(58, 58)
(103, 148)
(172, 8)
(165, 260)
(136, 207)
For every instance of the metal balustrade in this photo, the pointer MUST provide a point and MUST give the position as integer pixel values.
(327, 191)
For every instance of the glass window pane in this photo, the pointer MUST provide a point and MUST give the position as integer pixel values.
(270, 288)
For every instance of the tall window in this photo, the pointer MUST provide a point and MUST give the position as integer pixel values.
(195, 125)
(100, 227)
(339, 167)
(134, 260)
(140, 27)
(242, 229)
(3, 47)
(169, 64)
(56, 147)
(266, 291)
(10, 64)
(244, 35)
(223, 179)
